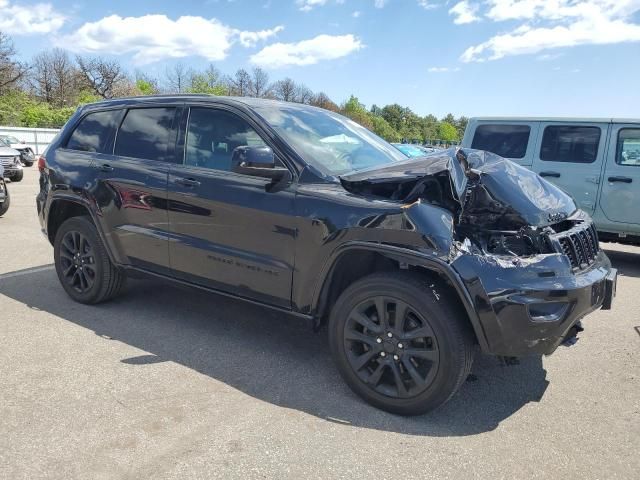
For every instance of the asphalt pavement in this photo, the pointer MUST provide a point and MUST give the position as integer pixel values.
(169, 382)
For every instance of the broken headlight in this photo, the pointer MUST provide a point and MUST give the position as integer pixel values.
(510, 245)
(523, 243)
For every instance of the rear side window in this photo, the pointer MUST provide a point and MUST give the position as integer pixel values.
(508, 141)
(146, 133)
(94, 133)
(628, 151)
(570, 144)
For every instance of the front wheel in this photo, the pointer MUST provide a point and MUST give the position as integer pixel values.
(82, 263)
(401, 342)
(18, 176)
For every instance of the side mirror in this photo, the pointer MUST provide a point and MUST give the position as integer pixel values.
(258, 162)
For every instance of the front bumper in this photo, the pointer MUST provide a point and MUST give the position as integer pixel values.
(11, 171)
(529, 307)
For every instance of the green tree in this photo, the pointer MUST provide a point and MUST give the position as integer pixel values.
(447, 132)
(382, 128)
(146, 87)
(357, 112)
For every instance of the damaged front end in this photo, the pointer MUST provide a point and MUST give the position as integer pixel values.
(529, 259)
(500, 207)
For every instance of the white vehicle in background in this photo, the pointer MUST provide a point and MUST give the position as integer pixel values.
(597, 161)
(5, 200)
(10, 161)
(27, 157)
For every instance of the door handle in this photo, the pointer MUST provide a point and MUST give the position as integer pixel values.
(550, 174)
(105, 167)
(187, 182)
(620, 179)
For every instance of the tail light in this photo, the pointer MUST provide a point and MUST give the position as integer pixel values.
(41, 163)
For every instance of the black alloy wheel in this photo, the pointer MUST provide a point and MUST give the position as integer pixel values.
(83, 264)
(391, 347)
(78, 261)
(402, 341)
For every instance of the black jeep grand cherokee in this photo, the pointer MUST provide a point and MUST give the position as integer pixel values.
(413, 262)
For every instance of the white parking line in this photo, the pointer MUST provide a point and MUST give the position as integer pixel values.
(26, 271)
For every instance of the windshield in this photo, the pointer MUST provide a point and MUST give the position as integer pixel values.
(330, 142)
(4, 143)
(10, 139)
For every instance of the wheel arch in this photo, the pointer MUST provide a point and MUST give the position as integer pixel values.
(352, 261)
(64, 207)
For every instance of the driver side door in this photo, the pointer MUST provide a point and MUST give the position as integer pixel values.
(227, 231)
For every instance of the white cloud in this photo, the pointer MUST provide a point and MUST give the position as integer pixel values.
(307, 52)
(465, 12)
(306, 5)
(250, 39)
(443, 69)
(31, 19)
(379, 3)
(427, 4)
(356, 14)
(155, 37)
(552, 24)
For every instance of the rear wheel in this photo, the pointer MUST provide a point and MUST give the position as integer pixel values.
(400, 342)
(18, 176)
(82, 263)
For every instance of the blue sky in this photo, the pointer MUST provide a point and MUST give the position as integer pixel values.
(471, 57)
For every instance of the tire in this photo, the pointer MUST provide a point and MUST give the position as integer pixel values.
(375, 358)
(28, 164)
(18, 176)
(96, 279)
(4, 206)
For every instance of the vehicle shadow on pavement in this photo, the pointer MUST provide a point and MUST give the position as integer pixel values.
(627, 263)
(271, 356)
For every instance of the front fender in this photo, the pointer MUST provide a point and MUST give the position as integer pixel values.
(403, 257)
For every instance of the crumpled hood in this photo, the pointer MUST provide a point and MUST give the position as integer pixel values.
(493, 192)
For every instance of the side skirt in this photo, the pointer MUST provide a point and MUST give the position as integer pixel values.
(146, 273)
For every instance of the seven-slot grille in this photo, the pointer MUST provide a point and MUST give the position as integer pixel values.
(581, 245)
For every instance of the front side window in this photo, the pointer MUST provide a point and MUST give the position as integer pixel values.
(570, 144)
(628, 151)
(508, 141)
(94, 133)
(146, 133)
(331, 143)
(213, 135)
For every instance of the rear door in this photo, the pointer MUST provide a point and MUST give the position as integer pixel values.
(620, 196)
(227, 231)
(571, 155)
(132, 186)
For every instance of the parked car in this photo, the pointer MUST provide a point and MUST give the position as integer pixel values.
(597, 161)
(5, 199)
(412, 263)
(10, 160)
(410, 150)
(427, 150)
(27, 157)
